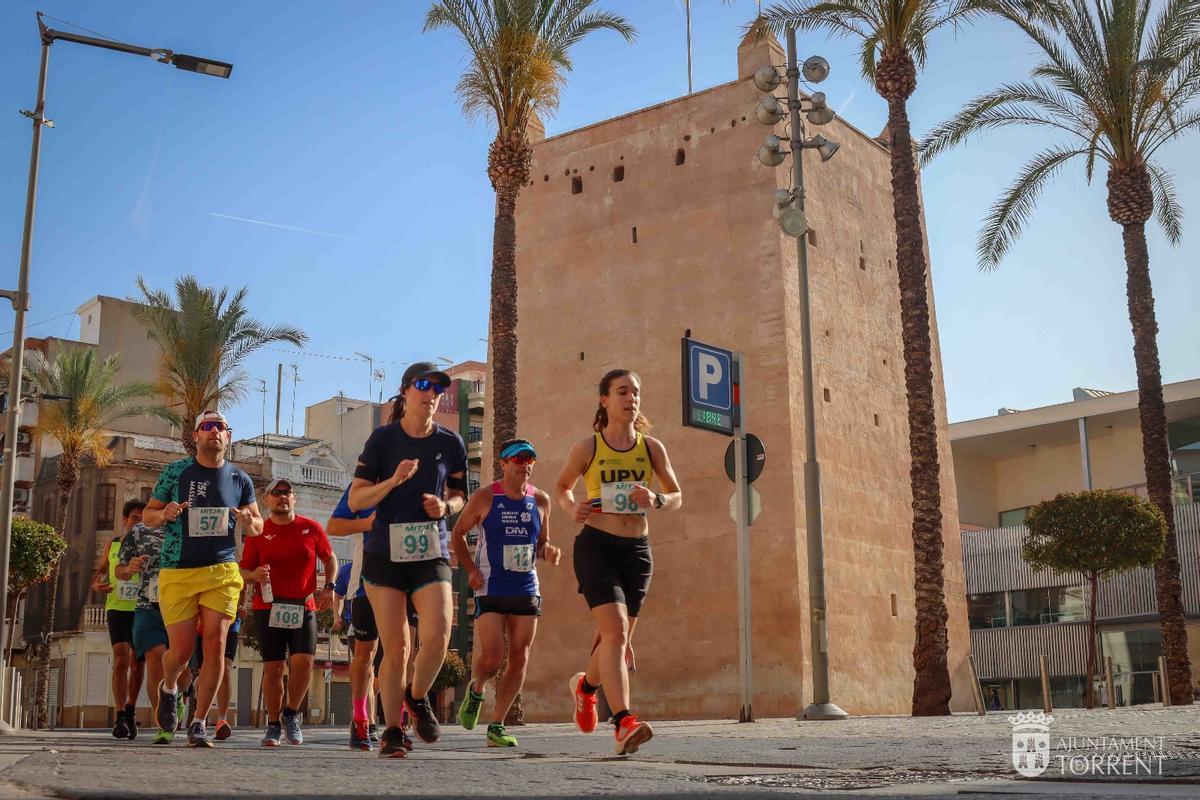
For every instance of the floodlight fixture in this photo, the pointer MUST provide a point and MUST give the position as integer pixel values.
(770, 111)
(205, 66)
(792, 221)
(826, 147)
(772, 154)
(815, 69)
(766, 78)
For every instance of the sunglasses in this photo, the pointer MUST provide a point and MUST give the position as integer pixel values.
(523, 459)
(280, 492)
(213, 425)
(424, 385)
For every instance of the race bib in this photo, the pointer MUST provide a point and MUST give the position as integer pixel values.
(208, 521)
(286, 615)
(152, 590)
(518, 557)
(616, 498)
(414, 541)
(128, 590)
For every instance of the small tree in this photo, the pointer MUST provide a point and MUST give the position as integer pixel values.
(34, 549)
(1097, 533)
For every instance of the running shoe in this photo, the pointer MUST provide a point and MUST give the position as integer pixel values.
(422, 713)
(406, 740)
(391, 744)
(197, 737)
(360, 738)
(121, 729)
(132, 723)
(497, 736)
(468, 712)
(373, 733)
(291, 728)
(631, 735)
(273, 735)
(585, 704)
(180, 709)
(163, 737)
(168, 710)
(223, 731)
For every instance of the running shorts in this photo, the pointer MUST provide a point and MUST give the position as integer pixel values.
(148, 630)
(276, 644)
(514, 605)
(181, 592)
(120, 626)
(405, 576)
(612, 569)
(362, 621)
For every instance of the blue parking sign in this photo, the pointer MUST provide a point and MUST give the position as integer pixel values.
(709, 380)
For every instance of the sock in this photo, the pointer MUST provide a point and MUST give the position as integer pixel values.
(169, 689)
(360, 708)
(289, 711)
(586, 687)
(620, 715)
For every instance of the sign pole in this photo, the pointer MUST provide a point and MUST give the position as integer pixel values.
(741, 488)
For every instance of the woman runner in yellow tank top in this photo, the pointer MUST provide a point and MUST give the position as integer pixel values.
(620, 466)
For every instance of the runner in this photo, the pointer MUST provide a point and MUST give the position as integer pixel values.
(513, 515)
(200, 501)
(139, 556)
(119, 605)
(412, 471)
(618, 462)
(365, 654)
(283, 562)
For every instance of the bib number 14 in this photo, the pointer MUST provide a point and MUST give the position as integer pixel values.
(617, 498)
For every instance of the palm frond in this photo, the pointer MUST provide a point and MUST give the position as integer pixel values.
(1009, 214)
(1166, 203)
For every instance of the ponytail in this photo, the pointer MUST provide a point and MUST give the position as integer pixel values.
(397, 408)
(600, 421)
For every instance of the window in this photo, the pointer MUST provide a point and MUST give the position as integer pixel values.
(1014, 516)
(680, 157)
(472, 482)
(145, 493)
(1046, 606)
(475, 434)
(106, 507)
(618, 173)
(576, 185)
(987, 610)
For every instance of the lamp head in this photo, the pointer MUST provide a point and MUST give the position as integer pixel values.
(826, 147)
(769, 111)
(205, 66)
(815, 69)
(792, 221)
(771, 154)
(766, 78)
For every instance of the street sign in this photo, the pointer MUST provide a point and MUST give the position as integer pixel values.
(755, 502)
(710, 387)
(756, 458)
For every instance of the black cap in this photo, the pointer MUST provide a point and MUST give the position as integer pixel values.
(424, 369)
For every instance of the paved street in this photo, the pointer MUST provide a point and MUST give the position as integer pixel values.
(880, 756)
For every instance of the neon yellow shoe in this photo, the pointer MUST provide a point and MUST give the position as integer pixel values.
(468, 712)
(497, 736)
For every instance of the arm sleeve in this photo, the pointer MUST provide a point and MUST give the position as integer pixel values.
(250, 553)
(247, 491)
(369, 461)
(459, 462)
(342, 584)
(343, 508)
(164, 488)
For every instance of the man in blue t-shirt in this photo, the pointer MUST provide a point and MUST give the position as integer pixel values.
(199, 502)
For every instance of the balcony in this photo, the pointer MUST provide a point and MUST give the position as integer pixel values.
(475, 451)
(94, 618)
(25, 471)
(475, 402)
(311, 474)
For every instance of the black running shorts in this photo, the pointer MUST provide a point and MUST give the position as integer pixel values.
(120, 626)
(612, 569)
(404, 576)
(526, 605)
(362, 620)
(277, 643)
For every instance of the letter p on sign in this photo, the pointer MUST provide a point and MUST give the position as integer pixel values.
(711, 373)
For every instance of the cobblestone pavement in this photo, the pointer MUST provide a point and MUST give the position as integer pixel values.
(1142, 752)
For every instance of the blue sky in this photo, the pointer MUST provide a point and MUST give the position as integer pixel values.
(340, 119)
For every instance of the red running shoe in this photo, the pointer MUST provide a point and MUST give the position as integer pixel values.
(585, 704)
(631, 735)
(223, 731)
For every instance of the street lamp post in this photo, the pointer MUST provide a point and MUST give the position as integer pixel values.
(789, 210)
(20, 298)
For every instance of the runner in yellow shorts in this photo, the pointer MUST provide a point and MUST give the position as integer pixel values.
(200, 502)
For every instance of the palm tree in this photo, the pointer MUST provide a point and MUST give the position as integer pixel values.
(204, 336)
(517, 67)
(89, 400)
(893, 36)
(1117, 88)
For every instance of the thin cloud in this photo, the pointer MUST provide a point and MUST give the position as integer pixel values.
(303, 230)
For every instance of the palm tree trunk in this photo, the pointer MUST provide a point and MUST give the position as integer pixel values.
(1090, 694)
(68, 477)
(502, 331)
(931, 683)
(1156, 458)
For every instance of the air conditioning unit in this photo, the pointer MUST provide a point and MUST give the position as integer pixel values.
(21, 497)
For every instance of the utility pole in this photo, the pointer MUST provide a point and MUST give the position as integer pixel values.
(278, 394)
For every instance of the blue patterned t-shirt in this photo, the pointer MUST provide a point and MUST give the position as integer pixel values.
(203, 534)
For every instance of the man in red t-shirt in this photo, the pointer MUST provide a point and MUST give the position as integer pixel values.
(283, 564)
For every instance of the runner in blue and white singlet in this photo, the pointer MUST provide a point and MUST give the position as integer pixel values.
(510, 520)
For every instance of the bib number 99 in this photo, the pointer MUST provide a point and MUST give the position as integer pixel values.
(414, 541)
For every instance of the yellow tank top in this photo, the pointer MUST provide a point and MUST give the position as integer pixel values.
(610, 475)
(123, 596)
